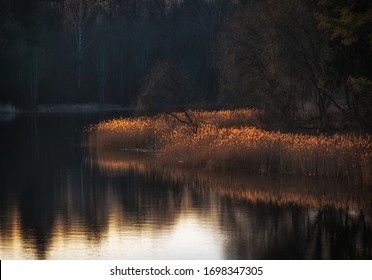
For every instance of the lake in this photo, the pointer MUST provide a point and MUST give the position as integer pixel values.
(62, 199)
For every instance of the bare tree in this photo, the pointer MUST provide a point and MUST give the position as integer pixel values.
(142, 46)
(168, 89)
(103, 65)
(271, 53)
(209, 14)
(78, 16)
(103, 57)
(35, 54)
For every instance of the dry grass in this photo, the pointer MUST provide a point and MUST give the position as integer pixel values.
(227, 140)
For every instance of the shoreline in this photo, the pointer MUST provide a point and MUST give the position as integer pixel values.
(63, 108)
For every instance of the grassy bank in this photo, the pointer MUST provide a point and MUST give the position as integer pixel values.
(228, 140)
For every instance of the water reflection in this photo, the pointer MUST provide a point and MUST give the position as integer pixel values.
(239, 185)
(61, 201)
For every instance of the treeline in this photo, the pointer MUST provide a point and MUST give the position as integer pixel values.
(55, 51)
(294, 59)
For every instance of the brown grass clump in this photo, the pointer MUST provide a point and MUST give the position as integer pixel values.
(227, 140)
(126, 133)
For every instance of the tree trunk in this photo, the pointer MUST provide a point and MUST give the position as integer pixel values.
(79, 64)
(322, 110)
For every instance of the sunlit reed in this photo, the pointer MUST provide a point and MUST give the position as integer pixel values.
(228, 140)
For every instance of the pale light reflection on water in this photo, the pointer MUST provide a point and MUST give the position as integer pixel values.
(188, 236)
(59, 200)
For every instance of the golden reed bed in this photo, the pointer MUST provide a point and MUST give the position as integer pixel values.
(227, 140)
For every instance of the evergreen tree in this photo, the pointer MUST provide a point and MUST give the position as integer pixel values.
(348, 55)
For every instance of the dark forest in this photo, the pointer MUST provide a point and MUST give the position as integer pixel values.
(293, 60)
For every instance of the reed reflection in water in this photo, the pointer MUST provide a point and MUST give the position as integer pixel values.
(265, 218)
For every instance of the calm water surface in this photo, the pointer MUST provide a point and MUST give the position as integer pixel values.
(62, 200)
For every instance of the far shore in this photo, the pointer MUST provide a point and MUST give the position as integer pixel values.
(62, 108)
